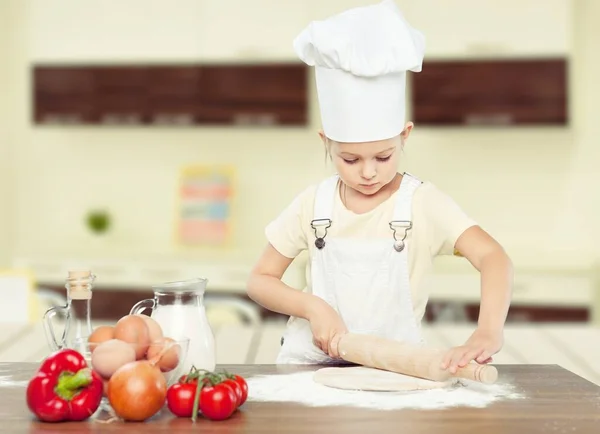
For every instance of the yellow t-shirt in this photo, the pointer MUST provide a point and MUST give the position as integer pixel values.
(437, 223)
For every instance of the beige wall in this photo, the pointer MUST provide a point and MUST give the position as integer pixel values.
(7, 211)
(534, 189)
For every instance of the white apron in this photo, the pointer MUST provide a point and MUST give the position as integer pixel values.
(365, 280)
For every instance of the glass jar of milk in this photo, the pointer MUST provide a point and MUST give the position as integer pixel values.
(178, 307)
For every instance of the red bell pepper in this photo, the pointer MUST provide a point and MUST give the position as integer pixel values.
(64, 388)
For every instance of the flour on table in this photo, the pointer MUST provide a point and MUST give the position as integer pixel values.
(364, 378)
(302, 389)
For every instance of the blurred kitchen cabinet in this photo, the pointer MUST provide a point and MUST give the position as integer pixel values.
(508, 28)
(179, 94)
(537, 296)
(490, 92)
(543, 314)
(114, 30)
(172, 94)
(63, 95)
(253, 94)
(113, 301)
(260, 30)
(455, 311)
(120, 94)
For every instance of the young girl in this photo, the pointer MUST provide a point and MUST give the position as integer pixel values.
(371, 232)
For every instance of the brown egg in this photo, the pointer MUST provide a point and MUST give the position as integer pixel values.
(99, 335)
(110, 356)
(133, 330)
(170, 357)
(154, 329)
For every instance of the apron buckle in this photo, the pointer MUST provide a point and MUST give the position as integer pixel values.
(399, 244)
(320, 241)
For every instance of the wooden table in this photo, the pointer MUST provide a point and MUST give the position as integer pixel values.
(558, 402)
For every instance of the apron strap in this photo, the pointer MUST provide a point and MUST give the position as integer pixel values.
(401, 220)
(323, 209)
(324, 198)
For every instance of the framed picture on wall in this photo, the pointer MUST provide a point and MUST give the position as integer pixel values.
(205, 205)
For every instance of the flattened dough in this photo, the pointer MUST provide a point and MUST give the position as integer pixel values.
(363, 378)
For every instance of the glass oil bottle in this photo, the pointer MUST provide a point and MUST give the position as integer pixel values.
(76, 314)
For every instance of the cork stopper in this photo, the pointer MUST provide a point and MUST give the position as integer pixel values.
(79, 284)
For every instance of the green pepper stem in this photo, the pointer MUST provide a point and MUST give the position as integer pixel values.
(69, 384)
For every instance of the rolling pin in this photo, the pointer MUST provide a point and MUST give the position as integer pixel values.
(408, 359)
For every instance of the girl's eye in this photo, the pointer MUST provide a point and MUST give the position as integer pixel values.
(381, 159)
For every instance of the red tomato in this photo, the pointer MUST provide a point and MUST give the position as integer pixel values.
(180, 399)
(184, 379)
(218, 402)
(236, 388)
(243, 387)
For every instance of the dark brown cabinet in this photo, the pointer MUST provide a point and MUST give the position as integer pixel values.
(270, 94)
(120, 95)
(64, 95)
(256, 95)
(439, 310)
(172, 99)
(491, 92)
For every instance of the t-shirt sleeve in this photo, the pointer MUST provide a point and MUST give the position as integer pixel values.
(446, 220)
(287, 233)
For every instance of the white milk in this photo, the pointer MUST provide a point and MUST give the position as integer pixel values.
(189, 321)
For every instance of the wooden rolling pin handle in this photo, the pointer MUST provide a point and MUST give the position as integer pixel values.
(485, 374)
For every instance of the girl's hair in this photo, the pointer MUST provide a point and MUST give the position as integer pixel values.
(327, 148)
(328, 143)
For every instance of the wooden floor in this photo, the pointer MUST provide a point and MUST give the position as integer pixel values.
(575, 347)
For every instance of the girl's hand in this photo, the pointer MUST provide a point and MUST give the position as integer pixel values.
(481, 346)
(327, 327)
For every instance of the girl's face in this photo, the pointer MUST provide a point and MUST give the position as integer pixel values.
(367, 166)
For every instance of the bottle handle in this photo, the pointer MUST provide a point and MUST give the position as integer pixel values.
(141, 306)
(53, 343)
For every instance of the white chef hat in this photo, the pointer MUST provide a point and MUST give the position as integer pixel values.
(361, 57)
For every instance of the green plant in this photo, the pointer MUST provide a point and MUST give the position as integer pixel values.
(98, 221)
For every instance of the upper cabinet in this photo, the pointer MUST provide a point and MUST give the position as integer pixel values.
(203, 94)
(253, 95)
(499, 29)
(501, 92)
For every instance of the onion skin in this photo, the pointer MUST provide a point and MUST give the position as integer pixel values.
(137, 390)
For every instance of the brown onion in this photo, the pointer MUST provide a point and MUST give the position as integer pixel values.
(137, 390)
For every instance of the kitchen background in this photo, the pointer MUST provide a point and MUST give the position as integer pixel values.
(505, 115)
